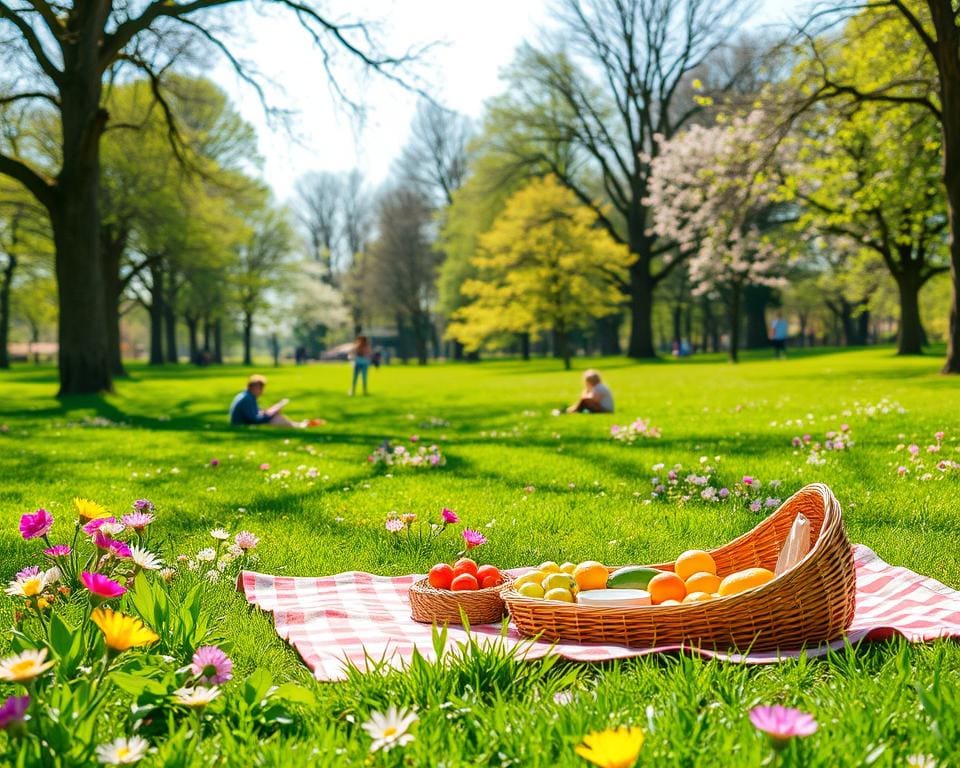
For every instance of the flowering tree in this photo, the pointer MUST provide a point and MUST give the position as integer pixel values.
(711, 194)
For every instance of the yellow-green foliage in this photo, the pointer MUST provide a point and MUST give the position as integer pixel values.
(544, 265)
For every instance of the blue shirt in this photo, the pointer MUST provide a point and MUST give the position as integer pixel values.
(781, 330)
(244, 410)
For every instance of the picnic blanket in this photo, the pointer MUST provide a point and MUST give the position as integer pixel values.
(349, 618)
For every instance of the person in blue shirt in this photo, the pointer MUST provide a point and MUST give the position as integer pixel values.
(779, 333)
(245, 410)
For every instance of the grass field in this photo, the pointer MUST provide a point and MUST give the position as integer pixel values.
(540, 487)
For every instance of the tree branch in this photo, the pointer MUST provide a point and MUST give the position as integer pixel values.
(6, 12)
(30, 179)
(30, 95)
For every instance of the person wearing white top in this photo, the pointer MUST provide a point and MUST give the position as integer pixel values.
(596, 396)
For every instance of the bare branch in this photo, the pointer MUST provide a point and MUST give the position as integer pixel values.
(26, 95)
(30, 179)
(30, 36)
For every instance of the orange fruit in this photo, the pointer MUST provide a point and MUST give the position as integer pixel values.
(697, 597)
(741, 581)
(703, 582)
(666, 586)
(591, 575)
(694, 561)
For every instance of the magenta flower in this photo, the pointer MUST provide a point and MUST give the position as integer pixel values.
(137, 520)
(723, 493)
(473, 538)
(901, 470)
(449, 516)
(211, 665)
(94, 525)
(143, 505)
(34, 525)
(747, 480)
(214, 462)
(106, 544)
(13, 710)
(100, 586)
(914, 449)
(797, 442)
(28, 572)
(414, 438)
(939, 435)
(781, 724)
(264, 467)
(394, 525)
(58, 550)
(119, 549)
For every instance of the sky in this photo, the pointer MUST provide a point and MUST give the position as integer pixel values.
(475, 41)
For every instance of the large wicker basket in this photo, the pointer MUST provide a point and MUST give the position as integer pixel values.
(811, 603)
(443, 606)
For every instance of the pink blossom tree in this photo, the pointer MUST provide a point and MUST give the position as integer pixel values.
(712, 194)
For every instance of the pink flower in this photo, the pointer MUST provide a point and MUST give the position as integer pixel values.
(245, 540)
(100, 586)
(28, 572)
(34, 525)
(414, 438)
(394, 525)
(797, 442)
(137, 520)
(449, 516)
(211, 665)
(12, 711)
(756, 506)
(214, 462)
(939, 435)
(94, 525)
(782, 723)
(143, 505)
(914, 449)
(901, 470)
(807, 438)
(473, 538)
(107, 544)
(724, 492)
(747, 480)
(58, 550)
(844, 427)
(264, 467)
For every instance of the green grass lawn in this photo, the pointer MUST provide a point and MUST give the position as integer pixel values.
(540, 487)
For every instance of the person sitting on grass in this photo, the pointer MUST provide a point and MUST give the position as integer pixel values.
(245, 410)
(596, 396)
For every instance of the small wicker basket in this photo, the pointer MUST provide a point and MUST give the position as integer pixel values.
(810, 603)
(442, 606)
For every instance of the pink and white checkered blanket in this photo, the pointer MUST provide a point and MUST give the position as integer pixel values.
(349, 618)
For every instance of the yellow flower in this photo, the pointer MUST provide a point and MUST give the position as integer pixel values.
(89, 510)
(121, 632)
(612, 749)
(25, 666)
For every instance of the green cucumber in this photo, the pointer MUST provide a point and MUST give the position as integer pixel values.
(631, 577)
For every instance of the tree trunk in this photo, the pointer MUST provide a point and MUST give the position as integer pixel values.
(218, 341)
(5, 284)
(863, 328)
(562, 346)
(755, 301)
(734, 308)
(207, 333)
(112, 245)
(156, 314)
(192, 323)
(84, 357)
(170, 326)
(948, 65)
(608, 334)
(641, 310)
(247, 338)
(275, 348)
(910, 332)
(525, 346)
(677, 317)
(457, 350)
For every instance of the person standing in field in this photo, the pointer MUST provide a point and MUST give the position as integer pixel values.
(596, 396)
(361, 354)
(779, 333)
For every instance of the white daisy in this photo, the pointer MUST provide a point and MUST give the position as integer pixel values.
(123, 751)
(28, 586)
(207, 555)
(168, 574)
(389, 730)
(921, 761)
(220, 534)
(144, 559)
(196, 697)
(25, 666)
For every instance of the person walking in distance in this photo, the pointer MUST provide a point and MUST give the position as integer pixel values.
(779, 333)
(360, 355)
